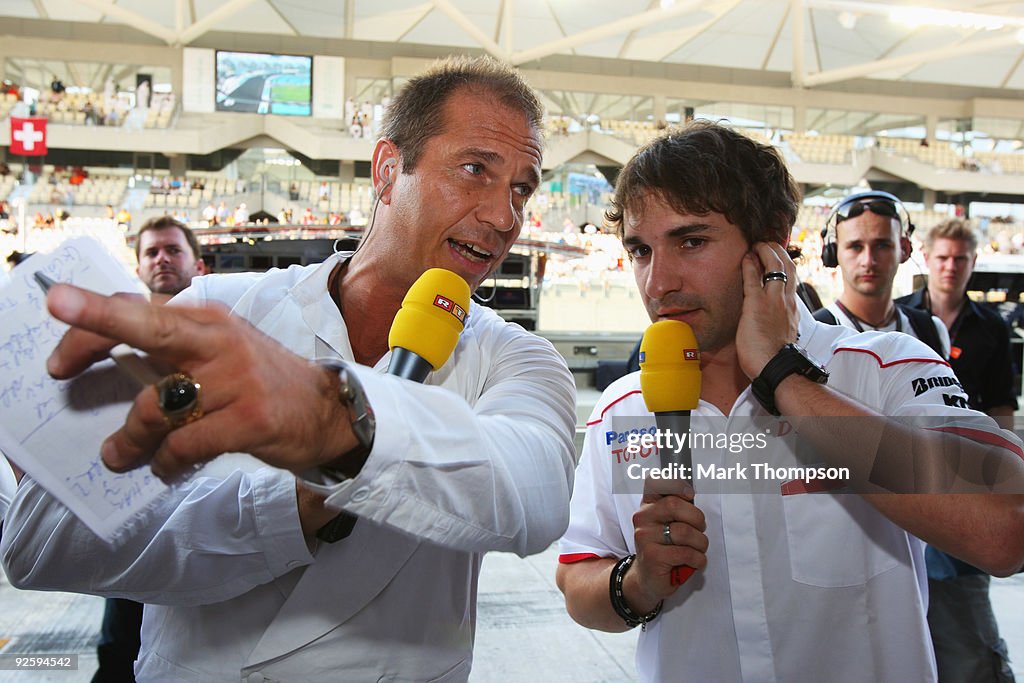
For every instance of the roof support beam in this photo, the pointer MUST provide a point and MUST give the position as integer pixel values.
(612, 28)
(507, 8)
(132, 19)
(796, 11)
(719, 11)
(215, 17)
(917, 58)
(888, 9)
(460, 20)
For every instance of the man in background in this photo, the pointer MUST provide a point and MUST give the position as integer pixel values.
(968, 648)
(169, 257)
(867, 239)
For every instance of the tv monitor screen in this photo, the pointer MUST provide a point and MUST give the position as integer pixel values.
(259, 83)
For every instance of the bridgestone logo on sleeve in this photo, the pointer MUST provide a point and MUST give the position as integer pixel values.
(923, 384)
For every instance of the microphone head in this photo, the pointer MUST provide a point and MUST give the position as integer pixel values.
(670, 367)
(432, 316)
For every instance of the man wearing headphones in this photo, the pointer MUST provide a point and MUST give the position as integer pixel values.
(873, 242)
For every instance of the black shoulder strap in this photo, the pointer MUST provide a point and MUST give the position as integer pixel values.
(924, 327)
(823, 315)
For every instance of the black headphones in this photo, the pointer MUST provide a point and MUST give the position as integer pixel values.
(876, 201)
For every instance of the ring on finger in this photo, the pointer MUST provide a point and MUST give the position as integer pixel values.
(666, 533)
(774, 275)
(177, 395)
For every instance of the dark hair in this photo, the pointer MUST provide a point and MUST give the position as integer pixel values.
(165, 223)
(952, 229)
(704, 168)
(416, 114)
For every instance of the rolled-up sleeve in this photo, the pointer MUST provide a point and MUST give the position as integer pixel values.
(496, 475)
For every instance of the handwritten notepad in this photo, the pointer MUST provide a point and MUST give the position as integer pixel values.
(53, 429)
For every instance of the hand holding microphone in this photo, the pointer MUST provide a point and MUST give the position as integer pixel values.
(670, 382)
(423, 336)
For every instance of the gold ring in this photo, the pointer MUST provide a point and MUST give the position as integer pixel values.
(177, 395)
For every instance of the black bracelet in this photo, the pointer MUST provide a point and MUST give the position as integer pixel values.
(631, 618)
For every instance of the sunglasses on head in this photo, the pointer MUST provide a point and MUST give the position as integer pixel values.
(879, 207)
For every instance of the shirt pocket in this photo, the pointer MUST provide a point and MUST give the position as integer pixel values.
(839, 540)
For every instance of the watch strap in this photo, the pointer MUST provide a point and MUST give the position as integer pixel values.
(364, 425)
(788, 361)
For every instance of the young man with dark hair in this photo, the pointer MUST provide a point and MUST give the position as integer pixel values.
(790, 582)
(245, 577)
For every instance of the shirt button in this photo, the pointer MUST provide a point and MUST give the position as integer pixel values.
(359, 495)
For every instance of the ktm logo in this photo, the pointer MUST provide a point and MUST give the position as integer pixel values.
(923, 384)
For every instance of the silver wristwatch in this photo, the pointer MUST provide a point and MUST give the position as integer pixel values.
(364, 424)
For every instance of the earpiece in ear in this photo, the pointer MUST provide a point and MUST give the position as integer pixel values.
(387, 170)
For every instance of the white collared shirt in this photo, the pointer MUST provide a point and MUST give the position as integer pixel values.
(799, 585)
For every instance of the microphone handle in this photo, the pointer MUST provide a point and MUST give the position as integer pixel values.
(677, 422)
(408, 365)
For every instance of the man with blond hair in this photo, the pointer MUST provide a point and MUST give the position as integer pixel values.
(964, 630)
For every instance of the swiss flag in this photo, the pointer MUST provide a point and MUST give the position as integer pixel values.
(28, 136)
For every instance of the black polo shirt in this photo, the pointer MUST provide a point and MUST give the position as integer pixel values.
(979, 354)
(980, 358)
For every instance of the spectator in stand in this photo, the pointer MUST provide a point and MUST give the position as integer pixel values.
(222, 213)
(142, 93)
(293, 192)
(90, 114)
(210, 215)
(57, 87)
(325, 191)
(124, 218)
(109, 94)
(109, 212)
(308, 218)
(241, 214)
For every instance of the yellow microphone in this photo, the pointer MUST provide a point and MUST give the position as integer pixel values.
(670, 382)
(670, 368)
(427, 326)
